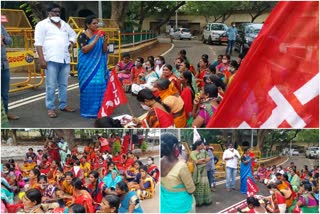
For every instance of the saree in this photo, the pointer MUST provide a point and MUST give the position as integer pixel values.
(86, 201)
(175, 188)
(200, 178)
(147, 192)
(245, 172)
(130, 198)
(154, 169)
(157, 118)
(109, 182)
(93, 78)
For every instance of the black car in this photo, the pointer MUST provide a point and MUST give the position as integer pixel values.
(247, 32)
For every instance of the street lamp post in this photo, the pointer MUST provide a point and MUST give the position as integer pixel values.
(176, 16)
(100, 13)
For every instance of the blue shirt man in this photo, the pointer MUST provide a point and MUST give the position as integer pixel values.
(232, 35)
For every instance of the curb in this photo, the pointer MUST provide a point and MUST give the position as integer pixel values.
(172, 46)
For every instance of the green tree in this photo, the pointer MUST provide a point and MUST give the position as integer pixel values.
(308, 136)
(256, 8)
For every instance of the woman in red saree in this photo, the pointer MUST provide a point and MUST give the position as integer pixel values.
(158, 115)
(168, 74)
(187, 93)
(95, 188)
(82, 196)
(53, 151)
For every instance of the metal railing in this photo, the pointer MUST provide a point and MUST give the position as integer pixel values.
(134, 38)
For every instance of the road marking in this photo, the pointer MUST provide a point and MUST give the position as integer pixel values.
(27, 100)
(172, 46)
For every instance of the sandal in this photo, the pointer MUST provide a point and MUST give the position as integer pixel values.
(52, 114)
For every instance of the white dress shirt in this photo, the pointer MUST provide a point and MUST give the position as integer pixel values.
(54, 41)
(232, 163)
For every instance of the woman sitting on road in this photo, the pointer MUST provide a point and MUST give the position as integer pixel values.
(147, 80)
(185, 66)
(145, 185)
(205, 105)
(187, 93)
(123, 68)
(82, 196)
(130, 202)
(306, 201)
(158, 115)
(170, 96)
(277, 200)
(138, 70)
(32, 201)
(168, 74)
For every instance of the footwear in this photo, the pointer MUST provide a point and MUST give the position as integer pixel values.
(234, 189)
(12, 117)
(52, 114)
(68, 109)
(228, 190)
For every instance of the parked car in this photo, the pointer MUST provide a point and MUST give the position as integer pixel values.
(213, 31)
(247, 32)
(294, 152)
(182, 33)
(312, 152)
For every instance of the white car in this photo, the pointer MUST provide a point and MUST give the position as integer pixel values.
(213, 31)
(182, 33)
(294, 152)
(312, 152)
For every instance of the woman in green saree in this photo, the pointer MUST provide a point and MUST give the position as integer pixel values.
(200, 157)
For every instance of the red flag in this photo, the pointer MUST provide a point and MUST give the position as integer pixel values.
(252, 188)
(113, 96)
(277, 85)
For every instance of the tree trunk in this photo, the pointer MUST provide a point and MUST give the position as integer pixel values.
(118, 12)
(166, 19)
(14, 136)
(260, 138)
(236, 136)
(225, 17)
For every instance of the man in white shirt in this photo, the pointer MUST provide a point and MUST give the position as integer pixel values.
(53, 38)
(231, 156)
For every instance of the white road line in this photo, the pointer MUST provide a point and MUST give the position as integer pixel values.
(234, 205)
(36, 96)
(172, 46)
(36, 99)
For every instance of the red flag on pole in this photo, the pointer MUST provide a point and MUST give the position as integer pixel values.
(113, 96)
(277, 85)
(252, 188)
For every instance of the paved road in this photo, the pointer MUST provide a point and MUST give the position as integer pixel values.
(222, 199)
(30, 104)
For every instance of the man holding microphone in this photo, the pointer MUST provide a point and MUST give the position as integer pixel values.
(231, 157)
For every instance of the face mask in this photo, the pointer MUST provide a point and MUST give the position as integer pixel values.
(158, 62)
(137, 63)
(149, 162)
(233, 25)
(224, 61)
(231, 149)
(55, 19)
(231, 69)
(5, 171)
(148, 68)
(42, 186)
(271, 192)
(145, 107)
(29, 161)
(177, 153)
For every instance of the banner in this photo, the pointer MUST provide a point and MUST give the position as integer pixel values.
(252, 188)
(277, 85)
(196, 136)
(113, 96)
(20, 58)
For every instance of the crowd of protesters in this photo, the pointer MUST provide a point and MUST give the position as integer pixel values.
(179, 95)
(291, 190)
(98, 179)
